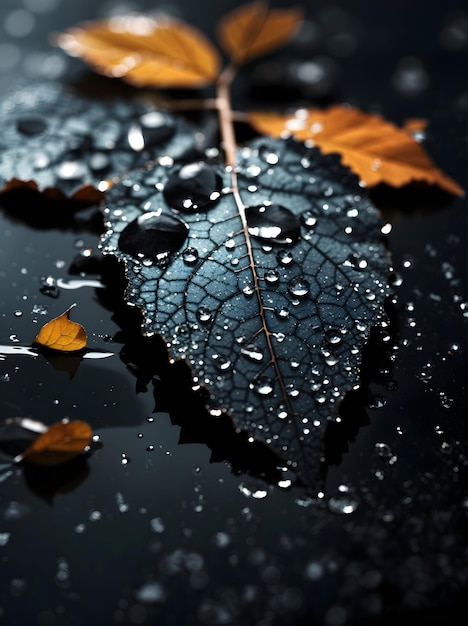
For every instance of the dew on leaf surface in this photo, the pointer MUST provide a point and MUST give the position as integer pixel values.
(195, 186)
(273, 223)
(299, 287)
(190, 255)
(31, 125)
(152, 128)
(155, 235)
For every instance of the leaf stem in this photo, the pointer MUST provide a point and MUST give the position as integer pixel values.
(224, 108)
(229, 144)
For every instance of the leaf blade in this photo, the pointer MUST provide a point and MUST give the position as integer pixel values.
(375, 149)
(145, 51)
(256, 326)
(62, 334)
(253, 30)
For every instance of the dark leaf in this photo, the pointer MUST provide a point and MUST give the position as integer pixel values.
(55, 141)
(274, 332)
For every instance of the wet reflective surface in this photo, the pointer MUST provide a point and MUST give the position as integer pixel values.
(176, 518)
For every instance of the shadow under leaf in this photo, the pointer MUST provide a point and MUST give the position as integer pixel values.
(188, 404)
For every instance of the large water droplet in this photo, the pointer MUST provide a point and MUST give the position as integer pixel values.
(195, 186)
(153, 129)
(154, 235)
(299, 287)
(31, 125)
(273, 223)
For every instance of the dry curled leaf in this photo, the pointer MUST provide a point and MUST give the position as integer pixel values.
(375, 149)
(253, 30)
(58, 444)
(145, 51)
(62, 334)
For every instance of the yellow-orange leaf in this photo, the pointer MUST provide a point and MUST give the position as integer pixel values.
(145, 51)
(62, 334)
(60, 443)
(253, 30)
(375, 149)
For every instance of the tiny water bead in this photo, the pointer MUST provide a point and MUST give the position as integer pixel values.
(284, 257)
(299, 287)
(262, 386)
(190, 255)
(271, 276)
(204, 314)
(154, 235)
(252, 352)
(195, 186)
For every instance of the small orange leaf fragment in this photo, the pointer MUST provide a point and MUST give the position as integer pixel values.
(62, 334)
(253, 30)
(145, 51)
(375, 149)
(60, 443)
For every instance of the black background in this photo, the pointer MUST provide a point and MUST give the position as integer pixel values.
(172, 538)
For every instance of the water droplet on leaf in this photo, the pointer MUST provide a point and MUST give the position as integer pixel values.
(204, 314)
(299, 287)
(190, 255)
(31, 125)
(273, 223)
(263, 386)
(153, 129)
(154, 235)
(195, 186)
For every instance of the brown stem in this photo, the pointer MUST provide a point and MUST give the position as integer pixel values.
(224, 108)
(229, 144)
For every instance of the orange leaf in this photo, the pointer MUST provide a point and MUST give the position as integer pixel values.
(60, 443)
(253, 30)
(376, 150)
(145, 51)
(62, 334)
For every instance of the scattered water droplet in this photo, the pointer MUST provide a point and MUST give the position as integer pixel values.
(252, 352)
(71, 170)
(195, 186)
(343, 502)
(309, 219)
(355, 261)
(299, 287)
(190, 255)
(204, 314)
(273, 223)
(222, 363)
(152, 129)
(425, 373)
(263, 386)
(31, 125)
(154, 235)
(284, 257)
(271, 276)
